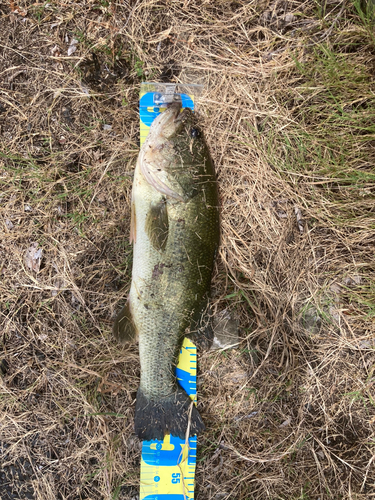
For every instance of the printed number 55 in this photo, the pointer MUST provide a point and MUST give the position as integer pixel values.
(176, 477)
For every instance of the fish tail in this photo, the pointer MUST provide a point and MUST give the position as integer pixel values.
(154, 418)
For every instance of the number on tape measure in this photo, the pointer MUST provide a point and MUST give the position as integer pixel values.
(176, 477)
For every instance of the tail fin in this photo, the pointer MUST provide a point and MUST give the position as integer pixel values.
(155, 418)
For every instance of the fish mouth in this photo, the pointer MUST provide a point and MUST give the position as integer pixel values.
(173, 109)
(179, 116)
(174, 105)
(167, 118)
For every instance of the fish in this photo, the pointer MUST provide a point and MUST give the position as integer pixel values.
(175, 234)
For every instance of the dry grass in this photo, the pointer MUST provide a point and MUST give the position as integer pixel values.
(288, 113)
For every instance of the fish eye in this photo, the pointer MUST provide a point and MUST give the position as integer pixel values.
(194, 132)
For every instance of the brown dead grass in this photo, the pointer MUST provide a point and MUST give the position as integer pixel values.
(290, 414)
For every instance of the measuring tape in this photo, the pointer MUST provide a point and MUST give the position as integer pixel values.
(154, 99)
(168, 466)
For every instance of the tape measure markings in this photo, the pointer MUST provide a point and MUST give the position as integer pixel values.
(168, 466)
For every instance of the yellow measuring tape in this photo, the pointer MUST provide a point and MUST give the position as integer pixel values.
(168, 466)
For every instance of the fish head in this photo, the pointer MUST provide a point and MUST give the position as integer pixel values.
(174, 122)
(167, 125)
(173, 153)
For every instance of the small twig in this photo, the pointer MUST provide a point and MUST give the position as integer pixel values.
(258, 460)
(14, 107)
(17, 73)
(101, 177)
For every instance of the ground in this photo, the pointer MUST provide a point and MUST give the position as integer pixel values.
(288, 113)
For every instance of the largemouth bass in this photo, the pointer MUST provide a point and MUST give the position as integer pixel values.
(175, 233)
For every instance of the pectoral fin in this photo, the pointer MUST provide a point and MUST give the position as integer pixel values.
(124, 329)
(157, 225)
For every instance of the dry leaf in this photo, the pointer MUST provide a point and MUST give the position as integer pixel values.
(85, 90)
(72, 47)
(56, 51)
(9, 224)
(59, 284)
(286, 422)
(33, 257)
(335, 288)
(353, 280)
(17, 10)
